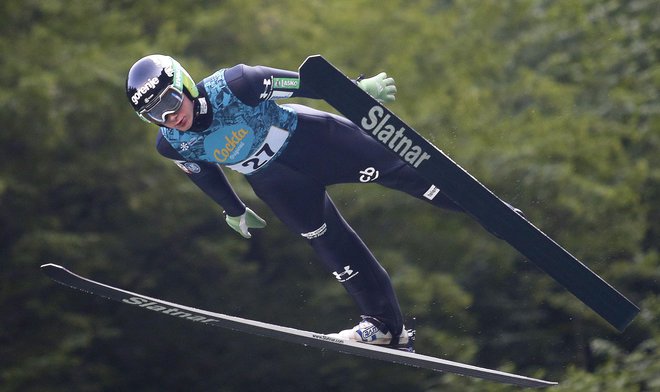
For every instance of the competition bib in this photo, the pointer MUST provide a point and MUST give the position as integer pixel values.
(268, 149)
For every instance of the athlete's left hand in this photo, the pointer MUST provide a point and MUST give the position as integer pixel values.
(380, 87)
(242, 223)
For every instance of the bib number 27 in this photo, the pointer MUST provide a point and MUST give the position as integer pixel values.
(275, 140)
(259, 158)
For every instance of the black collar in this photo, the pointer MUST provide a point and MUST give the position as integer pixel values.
(202, 111)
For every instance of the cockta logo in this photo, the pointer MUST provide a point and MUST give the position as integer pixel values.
(151, 83)
(222, 154)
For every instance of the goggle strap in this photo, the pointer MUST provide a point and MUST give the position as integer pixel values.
(143, 118)
(183, 79)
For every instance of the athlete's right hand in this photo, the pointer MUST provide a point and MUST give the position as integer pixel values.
(242, 223)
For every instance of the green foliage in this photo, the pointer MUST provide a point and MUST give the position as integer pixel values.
(553, 105)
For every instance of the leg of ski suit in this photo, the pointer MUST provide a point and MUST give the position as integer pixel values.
(328, 149)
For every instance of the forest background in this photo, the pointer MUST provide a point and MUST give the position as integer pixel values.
(554, 105)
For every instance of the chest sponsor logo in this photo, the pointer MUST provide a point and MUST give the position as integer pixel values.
(231, 146)
(187, 145)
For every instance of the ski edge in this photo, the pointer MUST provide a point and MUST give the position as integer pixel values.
(67, 278)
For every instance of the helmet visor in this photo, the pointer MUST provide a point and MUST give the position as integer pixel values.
(168, 102)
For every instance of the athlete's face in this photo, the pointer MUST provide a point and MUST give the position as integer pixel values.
(182, 119)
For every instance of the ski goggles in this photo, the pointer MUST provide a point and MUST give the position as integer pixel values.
(167, 102)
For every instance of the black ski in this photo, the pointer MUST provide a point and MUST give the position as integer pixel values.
(491, 212)
(68, 278)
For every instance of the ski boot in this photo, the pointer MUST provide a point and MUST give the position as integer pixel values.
(372, 331)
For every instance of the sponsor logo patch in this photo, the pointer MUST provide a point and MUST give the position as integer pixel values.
(368, 334)
(346, 274)
(432, 192)
(286, 83)
(369, 174)
(145, 88)
(188, 167)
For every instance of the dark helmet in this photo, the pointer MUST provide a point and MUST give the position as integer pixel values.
(155, 86)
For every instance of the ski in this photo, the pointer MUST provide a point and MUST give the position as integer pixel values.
(306, 338)
(490, 211)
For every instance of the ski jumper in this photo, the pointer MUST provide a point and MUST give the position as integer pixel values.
(290, 154)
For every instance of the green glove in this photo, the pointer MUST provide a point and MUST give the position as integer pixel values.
(380, 87)
(241, 223)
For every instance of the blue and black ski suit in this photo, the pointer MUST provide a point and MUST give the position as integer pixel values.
(289, 154)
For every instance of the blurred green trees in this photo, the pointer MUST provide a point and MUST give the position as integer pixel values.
(552, 104)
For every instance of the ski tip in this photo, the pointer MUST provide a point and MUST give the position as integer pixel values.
(54, 270)
(315, 58)
(51, 266)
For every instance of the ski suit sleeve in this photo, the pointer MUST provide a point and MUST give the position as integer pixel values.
(255, 84)
(207, 176)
